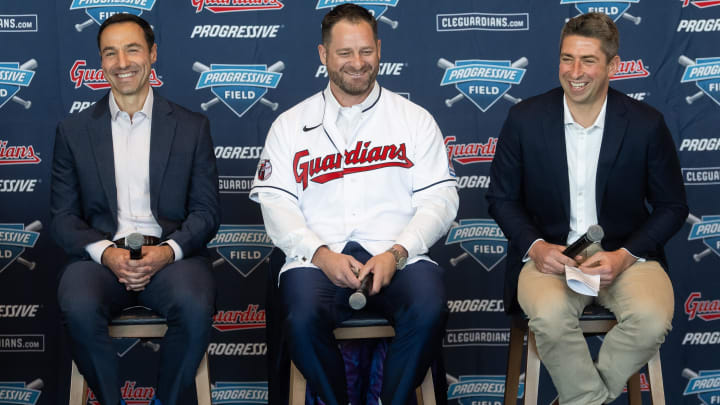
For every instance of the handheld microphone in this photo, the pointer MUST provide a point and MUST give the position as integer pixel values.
(594, 234)
(358, 299)
(134, 242)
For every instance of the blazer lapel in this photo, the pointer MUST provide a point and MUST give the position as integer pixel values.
(100, 133)
(162, 133)
(615, 128)
(554, 136)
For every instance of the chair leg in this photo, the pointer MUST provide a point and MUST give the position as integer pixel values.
(78, 387)
(657, 391)
(514, 364)
(633, 390)
(427, 390)
(202, 382)
(532, 373)
(297, 386)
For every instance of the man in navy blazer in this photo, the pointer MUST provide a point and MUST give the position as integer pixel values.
(135, 163)
(575, 156)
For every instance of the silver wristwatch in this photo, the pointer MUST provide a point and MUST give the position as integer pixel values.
(400, 259)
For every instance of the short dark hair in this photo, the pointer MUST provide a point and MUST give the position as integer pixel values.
(594, 25)
(348, 11)
(126, 17)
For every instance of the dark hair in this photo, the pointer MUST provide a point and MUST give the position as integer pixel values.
(125, 17)
(348, 11)
(594, 25)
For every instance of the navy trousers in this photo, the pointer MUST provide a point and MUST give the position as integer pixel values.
(414, 302)
(89, 295)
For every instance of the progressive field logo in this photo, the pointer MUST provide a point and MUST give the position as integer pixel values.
(101, 10)
(13, 76)
(481, 239)
(376, 7)
(706, 228)
(14, 239)
(705, 73)
(244, 247)
(614, 9)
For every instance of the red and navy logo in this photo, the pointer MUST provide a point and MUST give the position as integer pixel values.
(94, 79)
(264, 169)
(630, 69)
(244, 247)
(231, 6)
(232, 320)
(17, 154)
(696, 307)
(481, 239)
(468, 153)
(101, 10)
(701, 3)
(131, 393)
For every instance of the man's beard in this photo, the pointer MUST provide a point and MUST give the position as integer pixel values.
(354, 89)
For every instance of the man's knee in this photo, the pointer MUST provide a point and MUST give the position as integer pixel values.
(553, 320)
(649, 327)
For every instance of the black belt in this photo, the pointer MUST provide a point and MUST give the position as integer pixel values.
(147, 241)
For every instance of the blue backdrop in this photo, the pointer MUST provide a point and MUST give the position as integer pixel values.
(50, 68)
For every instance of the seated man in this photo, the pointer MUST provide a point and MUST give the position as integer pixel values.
(580, 155)
(355, 180)
(135, 163)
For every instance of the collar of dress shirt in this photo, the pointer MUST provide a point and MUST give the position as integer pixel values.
(599, 121)
(146, 110)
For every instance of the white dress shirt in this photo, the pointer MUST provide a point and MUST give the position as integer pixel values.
(131, 153)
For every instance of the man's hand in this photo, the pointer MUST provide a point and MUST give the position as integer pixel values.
(117, 260)
(340, 269)
(383, 268)
(549, 258)
(608, 265)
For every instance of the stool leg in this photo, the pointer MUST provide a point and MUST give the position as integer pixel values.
(202, 382)
(78, 387)
(297, 386)
(532, 373)
(633, 390)
(514, 364)
(427, 390)
(657, 391)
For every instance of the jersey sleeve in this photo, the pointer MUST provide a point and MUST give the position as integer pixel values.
(274, 172)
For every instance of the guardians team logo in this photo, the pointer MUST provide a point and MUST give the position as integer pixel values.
(19, 393)
(13, 76)
(94, 79)
(467, 153)
(236, 393)
(239, 87)
(101, 10)
(14, 239)
(630, 69)
(705, 384)
(480, 389)
(483, 82)
(244, 247)
(17, 154)
(481, 239)
(614, 9)
(701, 3)
(131, 392)
(231, 6)
(696, 307)
(376, 7)
(705, 72)
(231, 320)
(706, 228)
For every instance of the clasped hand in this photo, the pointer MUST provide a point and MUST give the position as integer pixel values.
(347, 272)
(136, 274)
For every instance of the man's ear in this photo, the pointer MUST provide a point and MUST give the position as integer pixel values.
(322, 52)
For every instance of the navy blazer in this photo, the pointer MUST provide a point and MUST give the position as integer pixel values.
(183, 179)
(529, 193)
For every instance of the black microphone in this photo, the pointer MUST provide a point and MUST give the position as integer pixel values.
(594, 234)
(134, 242)
(358, 299)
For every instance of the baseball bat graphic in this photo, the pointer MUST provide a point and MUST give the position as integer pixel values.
(391, 23)
(278, 66)
(692, 219)
(83, 25)
(36, 384)
(34, 226)
(155, 347)
(454, 261)
(443, 63)
(31, 64)
(685, 61)
(217, 263)
(635, 20)
(689, 374)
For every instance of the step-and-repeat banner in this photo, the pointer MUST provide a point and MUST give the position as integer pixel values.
(50, 69)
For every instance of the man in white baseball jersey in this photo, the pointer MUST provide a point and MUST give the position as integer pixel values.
(355, 180)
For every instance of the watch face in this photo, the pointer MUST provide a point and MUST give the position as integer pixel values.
(402, 261)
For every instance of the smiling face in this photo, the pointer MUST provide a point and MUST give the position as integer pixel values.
(352, 58)
(585, 71)
(126, 60)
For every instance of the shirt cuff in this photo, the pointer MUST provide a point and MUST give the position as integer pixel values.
(526, 257)
(176, 249)
(96, 249)
(412, 243)
(638, 258)
(306, 249)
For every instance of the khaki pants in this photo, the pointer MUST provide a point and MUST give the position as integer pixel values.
(641, 299)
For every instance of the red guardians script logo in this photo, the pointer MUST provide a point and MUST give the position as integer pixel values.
(704, 309)
(95, 78)
(17, 155)
(229, 6)
(251, 318)
(466, 153)
(630, 69)
(361, 159)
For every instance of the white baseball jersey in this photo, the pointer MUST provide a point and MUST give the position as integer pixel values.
(387, 181)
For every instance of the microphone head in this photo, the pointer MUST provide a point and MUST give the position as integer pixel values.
(595, 233)
(134, 241)
(357, 300)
